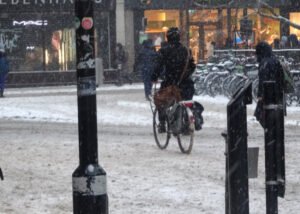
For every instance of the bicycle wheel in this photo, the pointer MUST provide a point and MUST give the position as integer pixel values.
(199, 84)
(225, 85)
(186, 137)
(161, 139)
(216, 86)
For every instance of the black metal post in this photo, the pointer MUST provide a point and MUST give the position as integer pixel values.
(1, 175)
(89, 179)
(270, 107)
(280, 151)
(237, 155)
(224, 134)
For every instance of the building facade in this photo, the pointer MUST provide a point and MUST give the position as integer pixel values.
(39, 38)
(39, 35)
(206, 21)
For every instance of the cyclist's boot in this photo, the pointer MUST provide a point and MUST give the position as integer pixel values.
(162, 127)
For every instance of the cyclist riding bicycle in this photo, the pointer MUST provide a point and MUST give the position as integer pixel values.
(173, 58)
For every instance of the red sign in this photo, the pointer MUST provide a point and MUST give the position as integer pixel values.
(87, 23)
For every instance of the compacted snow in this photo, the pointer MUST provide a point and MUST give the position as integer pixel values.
(39, 152)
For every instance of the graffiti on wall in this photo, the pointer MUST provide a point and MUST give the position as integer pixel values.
(10, 38)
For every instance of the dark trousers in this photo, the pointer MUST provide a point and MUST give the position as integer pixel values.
(2, 80)
(147, 83)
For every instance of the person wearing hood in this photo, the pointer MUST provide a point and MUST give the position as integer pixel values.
(173, 59)
(269, 69)
(177, 63)
(146, 64)
(4, 69)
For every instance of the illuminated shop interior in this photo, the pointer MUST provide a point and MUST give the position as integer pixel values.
(210, 25)
(295, 18)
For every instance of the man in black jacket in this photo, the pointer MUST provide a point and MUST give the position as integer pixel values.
(173, 59)
(269, 69)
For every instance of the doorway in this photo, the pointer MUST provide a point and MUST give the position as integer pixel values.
(201, 36)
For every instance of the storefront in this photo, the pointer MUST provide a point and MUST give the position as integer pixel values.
(211, 23)
(39, 35)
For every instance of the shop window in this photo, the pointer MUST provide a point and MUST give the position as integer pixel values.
(158, 22)
(269, 29)
(61, 53)
(208, 29)
(295, 18)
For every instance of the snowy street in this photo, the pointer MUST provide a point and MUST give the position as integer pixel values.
(39, 152)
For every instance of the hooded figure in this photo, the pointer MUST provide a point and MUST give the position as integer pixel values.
(146, 64)
(4, 69)
(269, 69)
(172, 60)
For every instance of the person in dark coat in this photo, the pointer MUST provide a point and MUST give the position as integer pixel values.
(174, 57)
(146, 64)
(269, 69)
(4, 69)
(172, 60)
(121, 62)
(121, 56)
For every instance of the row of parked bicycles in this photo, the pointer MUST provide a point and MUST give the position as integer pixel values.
(225, 73)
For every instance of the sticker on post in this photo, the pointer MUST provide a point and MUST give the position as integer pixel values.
(77, 22)
(90, 186)
(87, 23)
(86, 86)
(86, 59)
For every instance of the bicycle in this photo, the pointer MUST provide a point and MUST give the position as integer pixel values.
(180, 123)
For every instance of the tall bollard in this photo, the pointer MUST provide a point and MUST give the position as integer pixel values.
(224, 134)
(237, 157)
(1, 175)
(89, 179)
(274, 147)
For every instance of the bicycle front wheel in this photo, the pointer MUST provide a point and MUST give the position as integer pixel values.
(161, 138)
(186, 137)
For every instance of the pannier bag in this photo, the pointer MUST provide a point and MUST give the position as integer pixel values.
(197, 111)
(175, 118)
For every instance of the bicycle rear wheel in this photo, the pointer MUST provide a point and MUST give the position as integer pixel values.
(161, 138)
(186, 137)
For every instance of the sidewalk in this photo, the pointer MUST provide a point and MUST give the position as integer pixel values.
(65, 89)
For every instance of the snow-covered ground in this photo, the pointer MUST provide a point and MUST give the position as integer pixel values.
(39, 152)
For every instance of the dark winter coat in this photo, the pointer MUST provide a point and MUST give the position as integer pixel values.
(4, 65)
(172, 60)
(147, 62)
(269, 69)
(121, 57)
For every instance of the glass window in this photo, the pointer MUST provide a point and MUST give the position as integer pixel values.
(295, 18)
(33, 43)
(158, 22)
(269, 29)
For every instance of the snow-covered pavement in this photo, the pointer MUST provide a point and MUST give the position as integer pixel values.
(39, 152)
